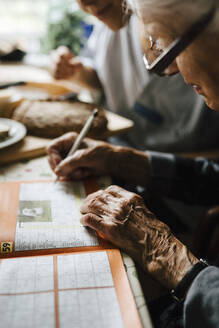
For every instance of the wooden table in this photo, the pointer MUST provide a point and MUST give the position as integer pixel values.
(42, 81)
(38, 169)
(31, 146)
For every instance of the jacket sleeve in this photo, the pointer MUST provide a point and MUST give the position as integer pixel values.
(201, 307)
(194, 181)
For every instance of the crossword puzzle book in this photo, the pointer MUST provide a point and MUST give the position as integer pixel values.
(53, 271)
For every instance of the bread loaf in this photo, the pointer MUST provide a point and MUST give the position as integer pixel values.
(53, 118)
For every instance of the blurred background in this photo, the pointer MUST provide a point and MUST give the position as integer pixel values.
(37, 27)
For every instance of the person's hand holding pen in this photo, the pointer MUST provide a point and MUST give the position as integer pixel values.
(82, 135)
(68, 161)
(91, 159)
(118, 215)
(96, 158)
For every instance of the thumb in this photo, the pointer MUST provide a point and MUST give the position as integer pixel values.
(73, 162)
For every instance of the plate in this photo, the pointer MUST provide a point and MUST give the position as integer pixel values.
(17, 132)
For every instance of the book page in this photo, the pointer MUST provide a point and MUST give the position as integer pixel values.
(76, 290)
(49, 217)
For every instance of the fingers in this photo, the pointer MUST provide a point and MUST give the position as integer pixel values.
(85, 159)
(61, 63)
(95, 222)
(106, 206)
(64, 51)
(63, 144)
(60, 53)
(76, 62)
(85, 207)
(80, 174)
(118, 193)
(59, 147)
(74, 162)
(62, 71)
(114, 205)
(54, 159)
(103, 201)
(80, 165)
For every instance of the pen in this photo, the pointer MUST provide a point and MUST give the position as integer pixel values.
(12, 84)
(82, 135)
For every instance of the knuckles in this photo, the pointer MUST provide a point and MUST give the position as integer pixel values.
(111, 203)
(58, 142)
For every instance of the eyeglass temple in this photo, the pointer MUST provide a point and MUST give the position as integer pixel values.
(178, 45)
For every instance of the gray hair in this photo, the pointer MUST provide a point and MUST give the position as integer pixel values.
(186, 11)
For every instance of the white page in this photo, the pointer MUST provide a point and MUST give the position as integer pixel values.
(89, 299)
(26, 275)
(27, 311)
(86, 292)
(49, 217)
(24, 299)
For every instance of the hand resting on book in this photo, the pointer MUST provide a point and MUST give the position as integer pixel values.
(121, 217)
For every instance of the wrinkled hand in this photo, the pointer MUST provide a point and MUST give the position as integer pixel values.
(93, 160)
(122, 218)
(64, 64)
(97, 158)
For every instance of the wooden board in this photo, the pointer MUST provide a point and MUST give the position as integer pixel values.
(31, 147)
(12, 72)
(117, 125)
(40, 79)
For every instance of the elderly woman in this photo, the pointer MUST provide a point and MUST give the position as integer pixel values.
(113, 55)
(121, 216)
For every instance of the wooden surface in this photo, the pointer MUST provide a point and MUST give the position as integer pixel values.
(31, 147)
(117, 124)
(12, 72)
(38, 169)
(41, 83)
(210, 154)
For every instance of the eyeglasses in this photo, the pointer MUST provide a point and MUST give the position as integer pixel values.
(176, 47)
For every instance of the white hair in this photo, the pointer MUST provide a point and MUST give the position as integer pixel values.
(186, 11)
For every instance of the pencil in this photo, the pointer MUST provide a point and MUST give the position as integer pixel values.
(82, 135)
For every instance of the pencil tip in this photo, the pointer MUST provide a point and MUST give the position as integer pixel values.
(95, 113)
